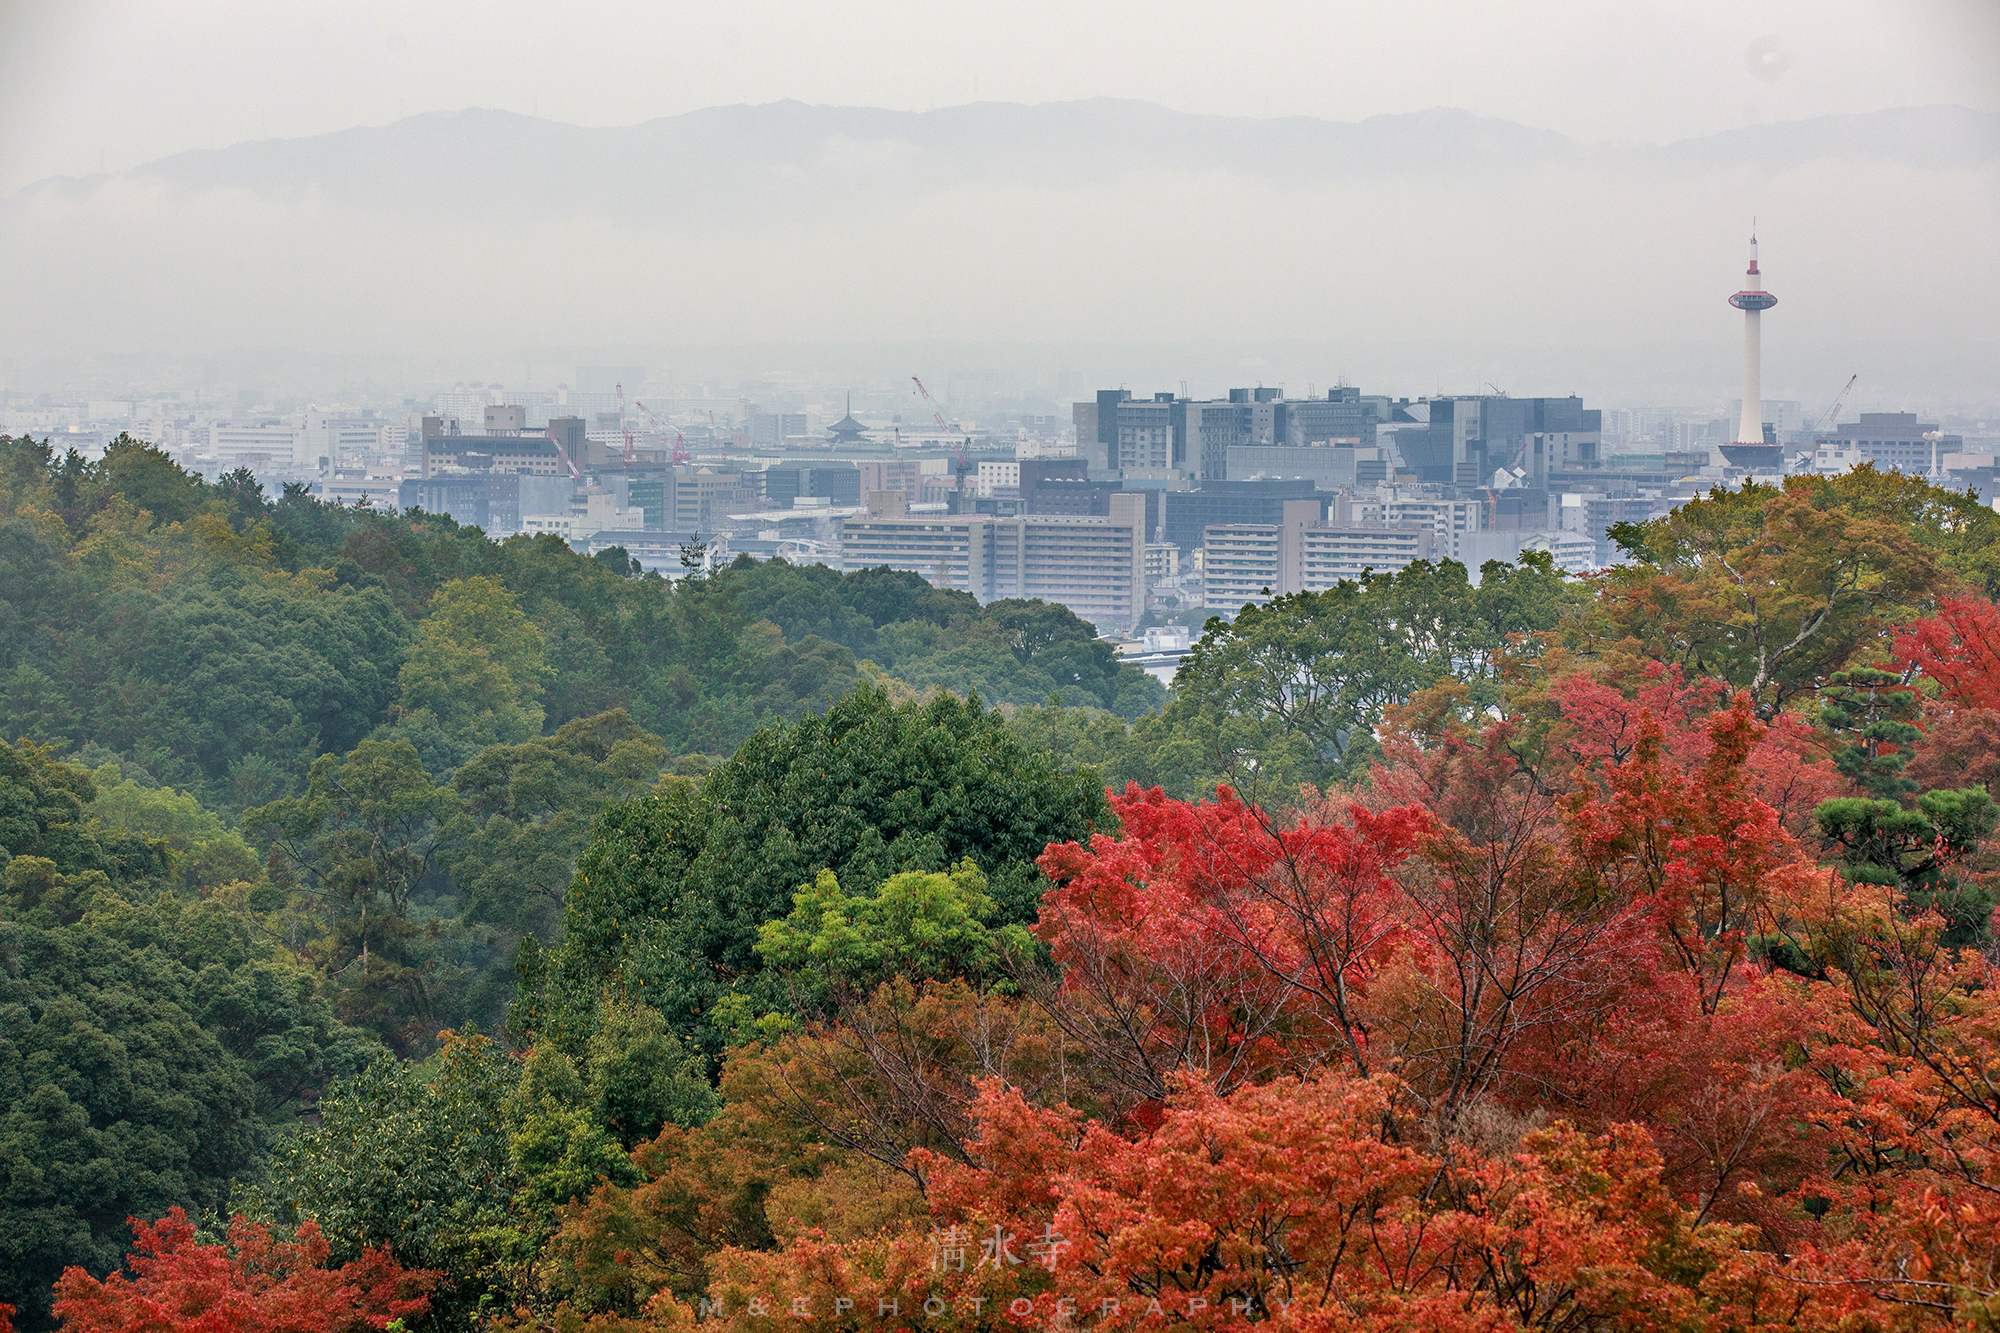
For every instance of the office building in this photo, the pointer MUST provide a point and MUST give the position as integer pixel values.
(777, 430)
(1466, 441)
(688, 498)
(838, 482)
(903, 475)
(1116, 432)
(592, 510)
(1095, 566)
(496, 502)
(446, 447)
(1302, 552)
(1187, 514)
(336, 442)
(263, 448)
(1335, 467)
(1001, 477)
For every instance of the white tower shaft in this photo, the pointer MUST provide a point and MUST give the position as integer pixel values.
(1750, 427)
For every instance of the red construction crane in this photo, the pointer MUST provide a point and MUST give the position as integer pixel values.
(630, 451)
(964, 465)
(681, 454)
(935, 413)
(563, 454)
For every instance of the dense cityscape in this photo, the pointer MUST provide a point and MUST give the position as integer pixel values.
(1140, 512)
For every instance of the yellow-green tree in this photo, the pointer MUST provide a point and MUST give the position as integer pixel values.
(1776, 588)
(476, 668)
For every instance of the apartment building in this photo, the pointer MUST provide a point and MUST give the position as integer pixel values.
(1450, 521)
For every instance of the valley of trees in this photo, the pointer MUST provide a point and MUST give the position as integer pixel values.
(401, 929)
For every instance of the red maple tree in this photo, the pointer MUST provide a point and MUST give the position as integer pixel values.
(253, 1284)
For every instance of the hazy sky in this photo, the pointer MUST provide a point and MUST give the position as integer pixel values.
(86, 84)
(1447, 279)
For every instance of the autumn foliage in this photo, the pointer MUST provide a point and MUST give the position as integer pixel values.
(1564, 1031)
(254, 1284)
(1640, 1003)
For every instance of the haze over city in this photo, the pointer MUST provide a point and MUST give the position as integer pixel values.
(1432, 199)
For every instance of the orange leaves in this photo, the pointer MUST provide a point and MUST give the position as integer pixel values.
(254, 1284)
(1300, 1202)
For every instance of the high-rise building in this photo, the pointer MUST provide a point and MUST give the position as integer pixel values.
(1117, 432)
(1188, 513)
(1466, 440)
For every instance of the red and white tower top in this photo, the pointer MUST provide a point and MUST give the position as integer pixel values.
(1753, 296)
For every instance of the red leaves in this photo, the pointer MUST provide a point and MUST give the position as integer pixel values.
(254, 1284)
(1209, 938)
(1959, 648)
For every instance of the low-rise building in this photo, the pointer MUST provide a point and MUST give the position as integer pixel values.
(593, 510)
(1890, 440)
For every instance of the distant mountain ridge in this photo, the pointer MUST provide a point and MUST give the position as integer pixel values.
(793, 154)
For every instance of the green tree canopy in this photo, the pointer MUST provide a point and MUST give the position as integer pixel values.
(675, 886)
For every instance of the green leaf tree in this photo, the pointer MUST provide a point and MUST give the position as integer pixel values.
(357, 845)
(670, 896)
(475, 668)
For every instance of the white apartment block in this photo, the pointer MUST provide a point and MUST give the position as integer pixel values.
(1448, 520)
(262, 448)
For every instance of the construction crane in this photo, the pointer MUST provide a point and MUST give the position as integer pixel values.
(681, 454)
(630, 451)
(964, 466)
(563, 454)
(1827, 417)
(937, 414)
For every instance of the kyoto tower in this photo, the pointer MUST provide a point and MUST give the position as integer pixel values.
(1753, 301)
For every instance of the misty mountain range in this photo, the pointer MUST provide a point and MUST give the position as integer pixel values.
(789, 156)
(1419, 251)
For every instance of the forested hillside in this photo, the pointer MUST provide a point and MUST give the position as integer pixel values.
(507, 939)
